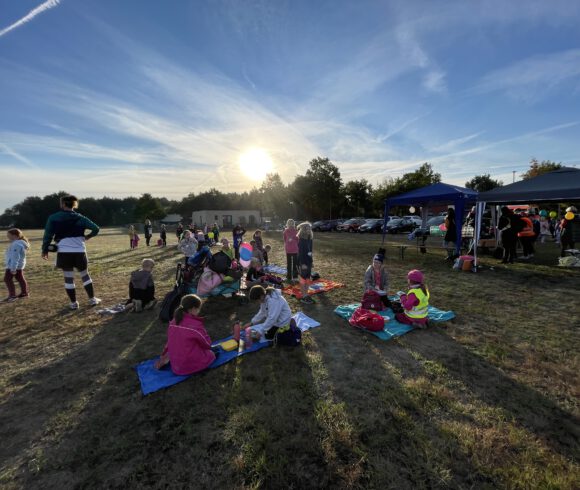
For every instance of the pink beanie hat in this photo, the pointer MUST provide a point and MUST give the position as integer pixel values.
(416, 276)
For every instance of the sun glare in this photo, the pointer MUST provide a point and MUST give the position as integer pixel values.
(255, 163)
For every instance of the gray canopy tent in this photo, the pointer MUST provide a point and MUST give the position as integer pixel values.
(562, 185)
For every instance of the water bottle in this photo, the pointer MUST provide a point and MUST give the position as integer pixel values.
(237, 328)
(248, 338)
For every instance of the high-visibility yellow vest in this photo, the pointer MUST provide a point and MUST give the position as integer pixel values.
(420, 310)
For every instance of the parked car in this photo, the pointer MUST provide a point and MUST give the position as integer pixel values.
(351, 225)
(331, 224)
(435, 221)
(400, 225)
(317, 224)
(417, 219)
(371, 226)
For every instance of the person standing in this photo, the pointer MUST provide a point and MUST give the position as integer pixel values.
(510, 225)
(305, 238)
(291, 248)
(179, 231)
(450, 234)
(148, 230)
(238, 235)
(216, 232)
(163, 236)
(15, 261)
(570, 230)
(67, 228)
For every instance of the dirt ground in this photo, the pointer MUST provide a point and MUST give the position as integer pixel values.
(488, 400)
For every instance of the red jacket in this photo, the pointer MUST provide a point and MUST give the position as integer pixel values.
(188, 346)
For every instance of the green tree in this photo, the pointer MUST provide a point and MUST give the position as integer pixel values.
(321, 195)
(539, 168)
(148, 207)
(482, 183)
(275, 197)
(391, 187)
(357, 195)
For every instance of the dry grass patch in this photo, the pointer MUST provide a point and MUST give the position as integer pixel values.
(489, 400)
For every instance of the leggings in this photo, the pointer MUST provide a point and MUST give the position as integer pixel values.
(9, 280)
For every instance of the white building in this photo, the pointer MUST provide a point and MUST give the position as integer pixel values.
(227, 218)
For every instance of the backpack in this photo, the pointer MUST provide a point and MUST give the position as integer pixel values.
(371, 300)
(173, 298)
(367, 320)
(292, 336)
(220, 262)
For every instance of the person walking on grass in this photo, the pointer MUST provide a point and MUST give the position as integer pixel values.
(67, 228)
(305, 238)
(15, 261)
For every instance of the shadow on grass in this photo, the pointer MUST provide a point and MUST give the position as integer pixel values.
(251, 422)
(404, 446)
(559, 429)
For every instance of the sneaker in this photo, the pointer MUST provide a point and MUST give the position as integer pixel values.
(151, 304)
(74, 305)
(138, 305)
(307, 300)
(9, 299)
(94, 301)
(23, 295)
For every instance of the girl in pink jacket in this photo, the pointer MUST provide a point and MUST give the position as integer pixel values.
(188, 347)
(291, 248)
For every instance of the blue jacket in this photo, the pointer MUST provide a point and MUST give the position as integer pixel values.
(15, 255)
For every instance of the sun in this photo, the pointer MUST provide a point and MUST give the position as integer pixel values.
(256, 163)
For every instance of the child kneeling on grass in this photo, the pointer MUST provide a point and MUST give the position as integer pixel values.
(188, 347)
(274, 312)
(415, 302)
(142, 287)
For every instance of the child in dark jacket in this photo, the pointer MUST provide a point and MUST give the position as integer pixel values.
(142, 287)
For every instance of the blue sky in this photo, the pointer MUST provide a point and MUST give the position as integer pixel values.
(117, 98)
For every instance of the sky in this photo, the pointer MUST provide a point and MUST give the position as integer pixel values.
(119, 98)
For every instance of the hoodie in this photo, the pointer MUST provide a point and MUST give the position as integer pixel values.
(15, 255)
(273, 312)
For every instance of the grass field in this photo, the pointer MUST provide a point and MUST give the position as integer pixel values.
(489, 400)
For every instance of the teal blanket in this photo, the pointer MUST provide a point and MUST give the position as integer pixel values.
(393, 328)
(224, 288)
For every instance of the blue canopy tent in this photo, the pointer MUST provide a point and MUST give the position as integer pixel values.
(439, 193)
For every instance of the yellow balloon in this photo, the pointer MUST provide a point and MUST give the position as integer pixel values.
(553, 214)
(569, 216)
(210, 235)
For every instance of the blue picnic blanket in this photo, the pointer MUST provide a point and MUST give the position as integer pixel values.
(153, 379)
(275, 269)
(393, 328)
(222, 289)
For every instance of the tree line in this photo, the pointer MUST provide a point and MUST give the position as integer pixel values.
(318, 194)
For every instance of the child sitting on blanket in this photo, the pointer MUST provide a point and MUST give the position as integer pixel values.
(274, 312)
(257, 276)
(142, 287)
(188, 346)
(376, 277)
(415, 302)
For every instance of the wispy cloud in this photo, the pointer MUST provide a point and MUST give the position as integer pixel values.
(31, 15)
(9, 151)
(531, 79)
(455, 143)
